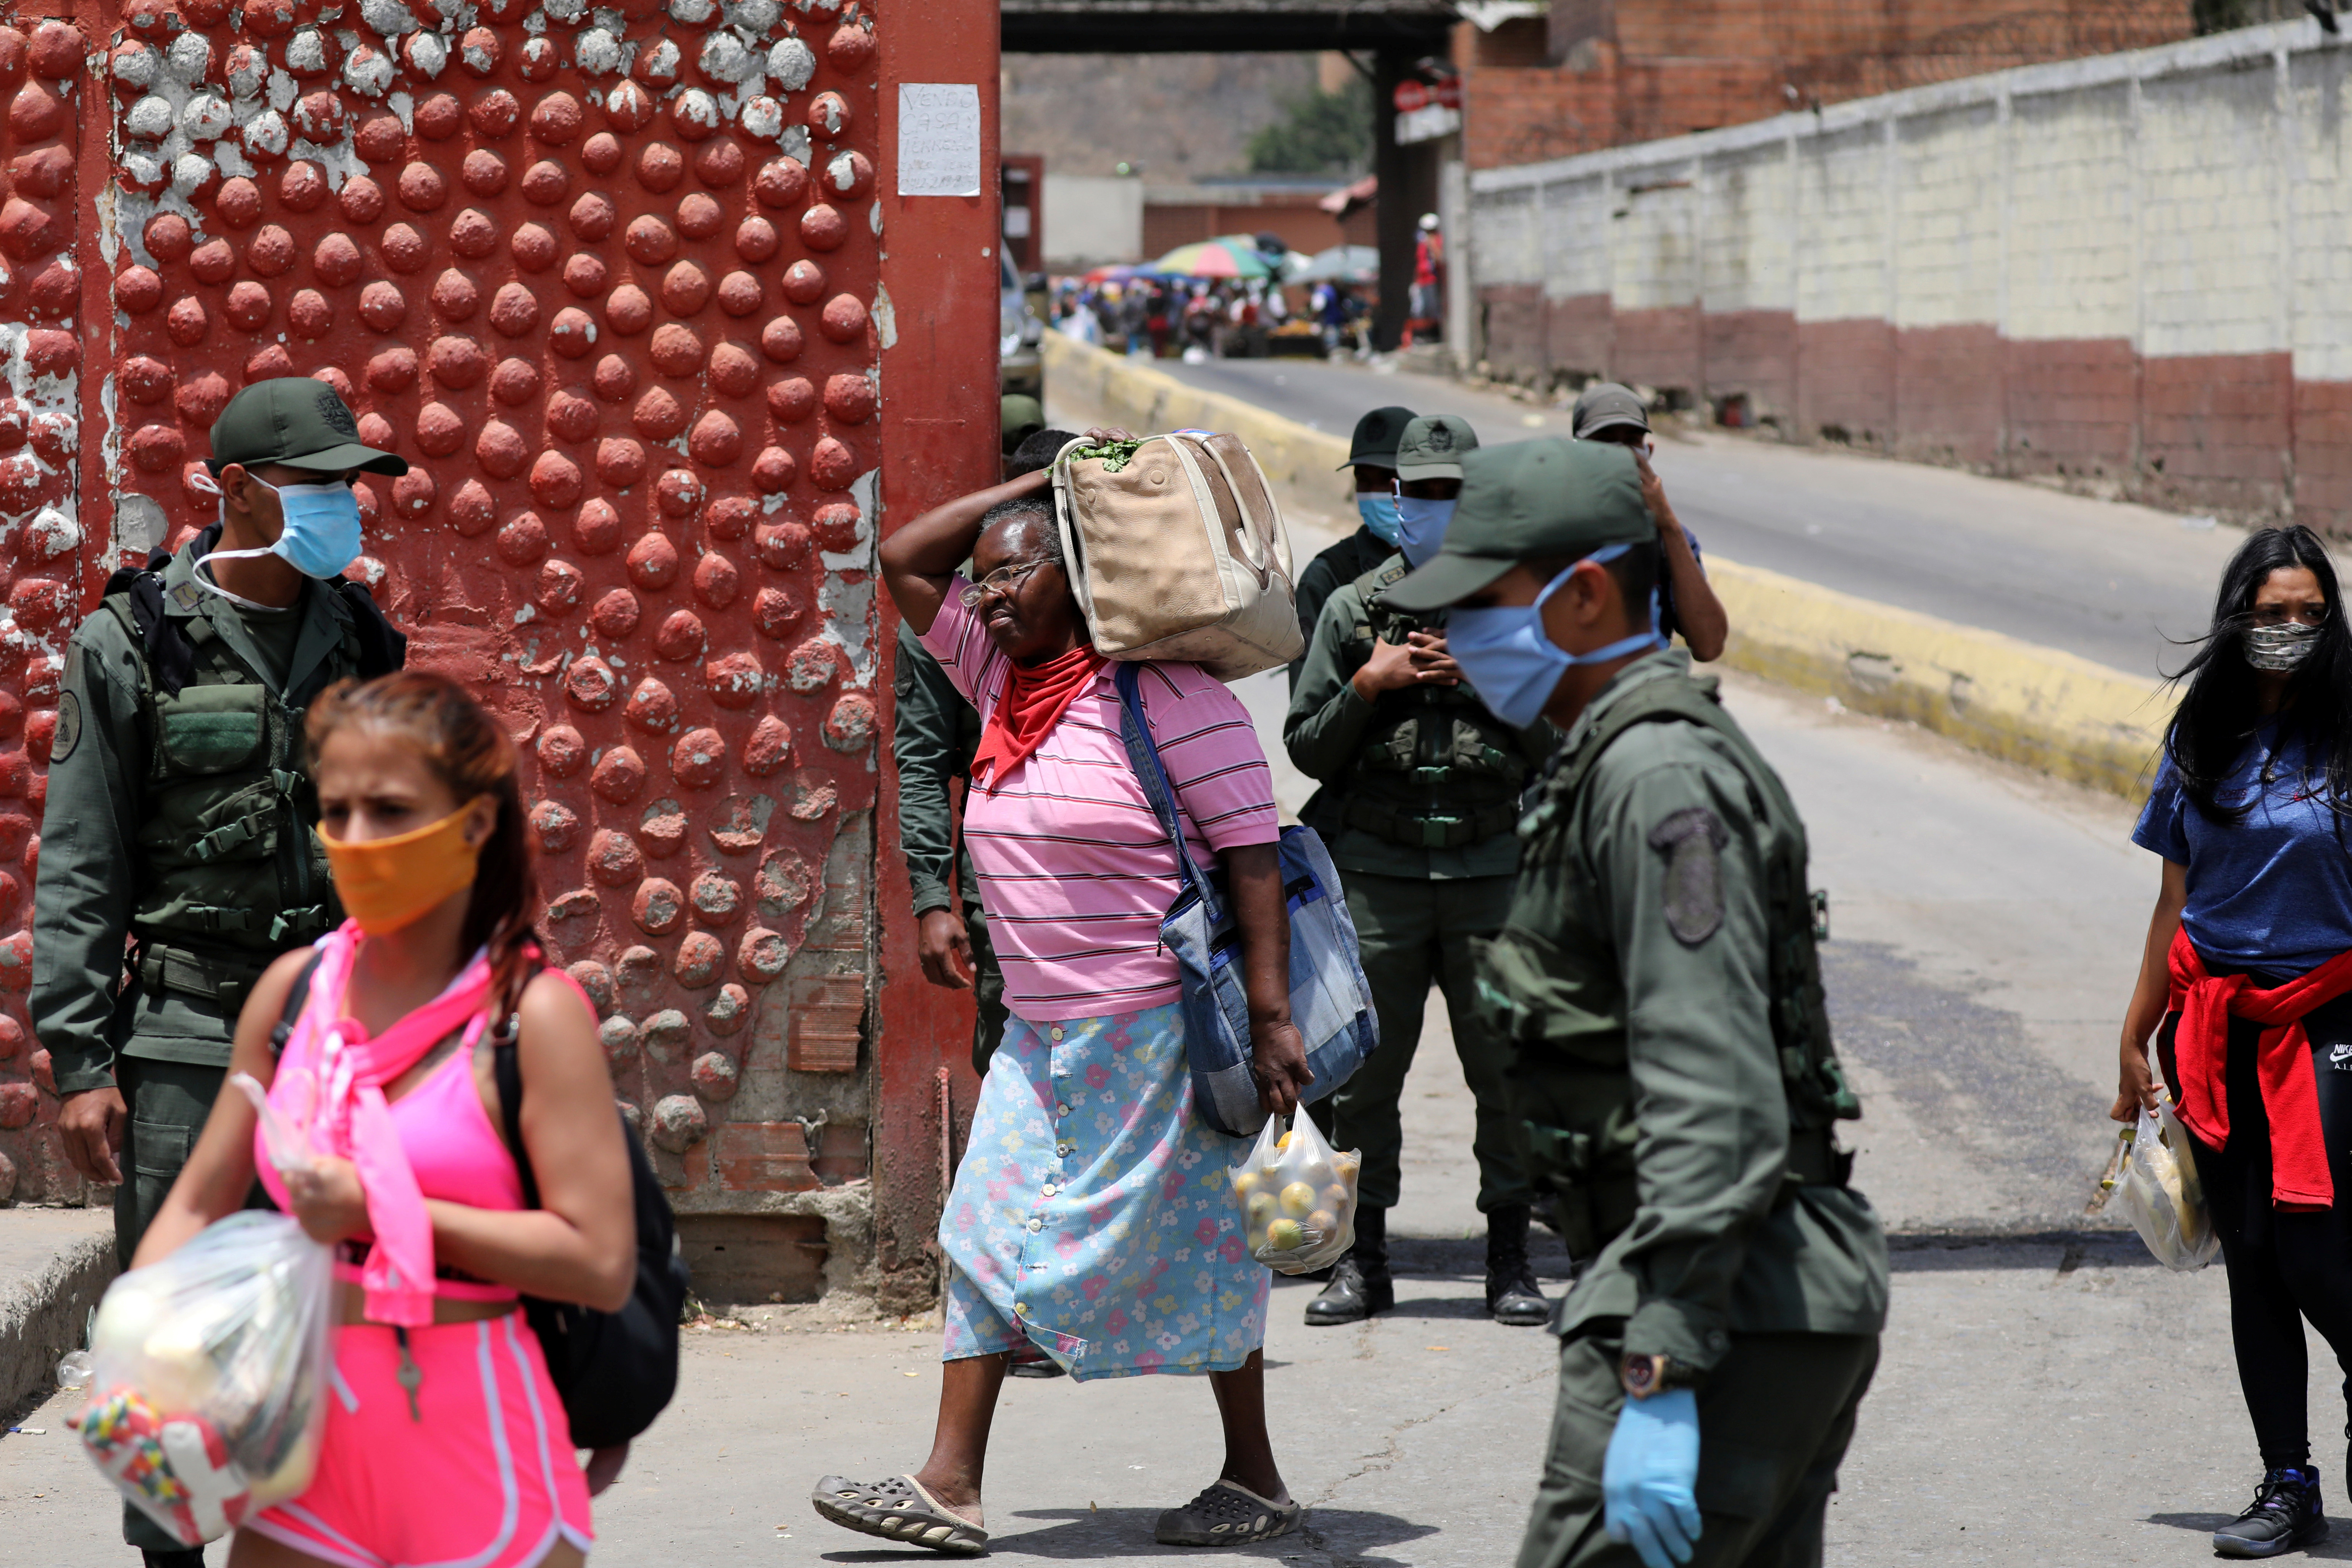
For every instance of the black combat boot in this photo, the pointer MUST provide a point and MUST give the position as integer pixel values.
(192, 1558)
(2286, 1517)
(1360, 1284)
(1513, 1296)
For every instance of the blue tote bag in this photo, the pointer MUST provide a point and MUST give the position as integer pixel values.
(1330, 1001)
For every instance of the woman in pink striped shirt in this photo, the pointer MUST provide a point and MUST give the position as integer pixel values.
(1091, 1221)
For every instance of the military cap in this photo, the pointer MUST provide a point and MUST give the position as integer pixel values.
(301, 423)
(1433, 446)
(1605, 406)
(1376, 437)
(1020, 415)
(1531, 501)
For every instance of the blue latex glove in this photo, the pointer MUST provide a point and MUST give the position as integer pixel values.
(1647, 1478)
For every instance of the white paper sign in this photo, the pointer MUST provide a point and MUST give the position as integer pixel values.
(938, 139)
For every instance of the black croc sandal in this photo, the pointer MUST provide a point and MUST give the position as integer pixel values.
(1228, 1514)
(897, 1510)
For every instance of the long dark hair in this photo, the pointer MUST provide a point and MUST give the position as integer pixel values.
(2216, 717)
(468, 752)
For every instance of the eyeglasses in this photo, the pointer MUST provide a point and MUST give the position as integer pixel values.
(1004, 580)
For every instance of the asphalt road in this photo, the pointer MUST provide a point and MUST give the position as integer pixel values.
(2111, 581)
(2046, 1394)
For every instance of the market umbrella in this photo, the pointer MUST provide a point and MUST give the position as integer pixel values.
(1342, 264)
(1118, 274)
(1227, 255)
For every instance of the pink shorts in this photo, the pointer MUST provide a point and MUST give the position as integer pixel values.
(488, 1478)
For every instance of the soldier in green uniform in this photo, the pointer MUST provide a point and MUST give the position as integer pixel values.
(184, 817)
(1657, 984)
(1421, 787)
(1372, 459)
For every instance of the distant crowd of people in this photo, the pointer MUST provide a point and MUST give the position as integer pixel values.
(1203, 318)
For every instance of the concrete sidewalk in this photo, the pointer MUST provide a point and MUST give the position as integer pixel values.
(54, 1266)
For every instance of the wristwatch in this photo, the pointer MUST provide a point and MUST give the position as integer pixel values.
(1644, 1376)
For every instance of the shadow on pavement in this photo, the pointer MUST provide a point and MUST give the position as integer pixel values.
(1095, 1534)
(2336, 1549)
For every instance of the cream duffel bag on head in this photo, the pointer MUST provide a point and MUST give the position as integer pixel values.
(1177, 551)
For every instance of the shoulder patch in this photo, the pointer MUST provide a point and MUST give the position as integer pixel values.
(68, 732)
(1692, 840)
(187, 595)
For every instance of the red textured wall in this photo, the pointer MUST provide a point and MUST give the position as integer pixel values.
(617, 293)
(47, 542)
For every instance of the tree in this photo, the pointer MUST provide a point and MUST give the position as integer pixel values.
(1319, 133)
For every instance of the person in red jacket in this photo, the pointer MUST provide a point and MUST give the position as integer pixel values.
(2246, 984)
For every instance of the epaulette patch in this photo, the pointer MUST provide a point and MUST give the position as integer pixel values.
(187, 597)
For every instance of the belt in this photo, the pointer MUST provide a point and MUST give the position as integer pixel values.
(224, 981)
(350, 1306)
(1432, 831)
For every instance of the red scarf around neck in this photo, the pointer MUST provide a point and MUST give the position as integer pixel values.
(1034, 701)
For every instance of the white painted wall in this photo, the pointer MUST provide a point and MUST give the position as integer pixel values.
(2194, 199)
(1091, 219)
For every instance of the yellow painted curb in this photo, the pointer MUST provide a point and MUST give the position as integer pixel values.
(2039, 706)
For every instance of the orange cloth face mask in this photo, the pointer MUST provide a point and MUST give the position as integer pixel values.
(387, 883)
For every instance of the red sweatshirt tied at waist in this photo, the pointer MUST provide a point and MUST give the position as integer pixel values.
(2200, 1048)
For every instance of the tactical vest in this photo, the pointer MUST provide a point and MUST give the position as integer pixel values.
(1436, 770)
(232, 874)
(1558, 997)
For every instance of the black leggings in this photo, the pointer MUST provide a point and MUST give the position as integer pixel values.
(2282, 1266)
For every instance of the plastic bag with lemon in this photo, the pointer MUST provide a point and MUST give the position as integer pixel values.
(206, 1371)
(1297, 1198)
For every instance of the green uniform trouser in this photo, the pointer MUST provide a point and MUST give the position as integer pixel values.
(1413, 932)
(987, 985)
(1774, 1419)
(168, 1102)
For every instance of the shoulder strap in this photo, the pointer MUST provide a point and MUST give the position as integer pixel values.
(296, 1000)
(1653, 701)
(1387, 574)
(505, 1068)
(382, 647)
(1143, 756)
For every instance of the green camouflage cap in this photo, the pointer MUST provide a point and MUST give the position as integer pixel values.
(1531, 501)
(1433, 446)
(1018, 415)
(301, 423)
(1376, 437)
(1605, 406)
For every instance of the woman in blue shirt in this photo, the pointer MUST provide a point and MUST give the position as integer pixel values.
(2248, 939)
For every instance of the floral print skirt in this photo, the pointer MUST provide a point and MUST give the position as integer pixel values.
(1094, 1214)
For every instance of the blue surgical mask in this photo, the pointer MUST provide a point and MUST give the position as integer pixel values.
(1421, 527)
(1380, 514)
(1512, 664)
(321, 535)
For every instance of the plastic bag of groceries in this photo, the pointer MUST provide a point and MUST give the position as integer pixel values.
(206, 1371)
(2155, 1183)
(1297, 1198)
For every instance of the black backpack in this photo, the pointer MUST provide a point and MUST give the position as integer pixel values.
(613, 1371)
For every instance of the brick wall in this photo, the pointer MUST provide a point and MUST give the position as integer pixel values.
(2132, 268)
(1608, 73)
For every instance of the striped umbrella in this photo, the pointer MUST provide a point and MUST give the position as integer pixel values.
(1227, 255)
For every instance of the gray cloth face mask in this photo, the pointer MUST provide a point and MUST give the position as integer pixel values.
(2280, 647)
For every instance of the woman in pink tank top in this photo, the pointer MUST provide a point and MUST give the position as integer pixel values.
(444, 1440)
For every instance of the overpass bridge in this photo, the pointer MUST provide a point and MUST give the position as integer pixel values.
(1395, 32)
